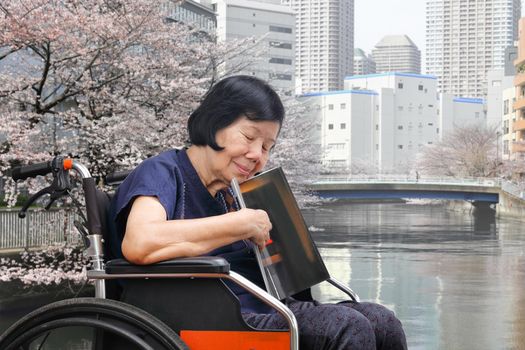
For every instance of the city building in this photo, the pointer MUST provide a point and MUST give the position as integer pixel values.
(508, 136)
(518, 127)
(381, 122)
(397, 53)
(363, 63)
(324, 43)
(193, 14)
(274, 23)
(465, 39)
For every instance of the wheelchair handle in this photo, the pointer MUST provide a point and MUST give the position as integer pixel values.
(44, 168)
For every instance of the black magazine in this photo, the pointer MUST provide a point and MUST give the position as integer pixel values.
(290, 262)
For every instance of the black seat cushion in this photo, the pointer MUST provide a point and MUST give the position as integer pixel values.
(203, 264)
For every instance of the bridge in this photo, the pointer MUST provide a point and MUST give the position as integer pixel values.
(403, 187)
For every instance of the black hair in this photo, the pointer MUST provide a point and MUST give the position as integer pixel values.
(228, 100)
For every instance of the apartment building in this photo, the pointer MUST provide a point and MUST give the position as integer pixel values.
(363, 63)
(518, 126)
(397, 53)
(465, 39)
(324, 43)
(273, 58)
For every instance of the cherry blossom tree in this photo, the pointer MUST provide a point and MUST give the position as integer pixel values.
(469, 150)
(111, 83)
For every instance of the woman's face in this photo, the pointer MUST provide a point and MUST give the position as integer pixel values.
(247, 145)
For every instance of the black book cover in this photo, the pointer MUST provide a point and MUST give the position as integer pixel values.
(290, 261)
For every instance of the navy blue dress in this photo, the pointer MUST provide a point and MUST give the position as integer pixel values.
(171, 178)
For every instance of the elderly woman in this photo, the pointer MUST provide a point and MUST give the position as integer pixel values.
(176, 205)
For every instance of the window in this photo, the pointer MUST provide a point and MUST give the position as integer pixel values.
(330, 126)
(336, 146)
(399, 85)
(400, 127)
(429, 142)
(377, 147)
(343, 105)
(399, 108)
(338, 162)
(400, 146)
(280, 29)
(280, 45)
(477, 114)
(437, 130)
(420, 87)
(430, 124)
(331, 107)
(377, 126)
(280, 76)
(506, 107)
(343, 126)
(280, 60)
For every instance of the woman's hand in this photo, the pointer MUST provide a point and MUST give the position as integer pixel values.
(256, 224)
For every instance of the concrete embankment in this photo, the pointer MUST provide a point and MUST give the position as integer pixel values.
(510, 206)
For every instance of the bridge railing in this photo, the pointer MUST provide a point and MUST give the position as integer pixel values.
(489, 182)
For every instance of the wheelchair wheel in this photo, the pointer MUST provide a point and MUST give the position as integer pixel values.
(115, 322)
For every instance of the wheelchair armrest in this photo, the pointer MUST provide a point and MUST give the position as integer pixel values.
(202, 264)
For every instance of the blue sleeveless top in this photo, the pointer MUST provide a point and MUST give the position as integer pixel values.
(171, 178)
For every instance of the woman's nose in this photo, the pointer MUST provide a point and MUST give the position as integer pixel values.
(255, 152)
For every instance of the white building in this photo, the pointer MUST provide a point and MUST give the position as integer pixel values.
(324, 43)
(497, 83)
(397, 53)
(508, 135)
(240, 19)
(383, 121)
(363, 63)
(465, 39)
(343, 114)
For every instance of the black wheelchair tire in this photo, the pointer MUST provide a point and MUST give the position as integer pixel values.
(110, 316)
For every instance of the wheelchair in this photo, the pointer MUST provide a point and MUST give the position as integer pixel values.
(182, 303)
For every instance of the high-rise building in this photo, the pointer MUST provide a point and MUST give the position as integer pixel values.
(465, 39)
(324, 43)
(363, 63)
(274, 23)
(397, 53)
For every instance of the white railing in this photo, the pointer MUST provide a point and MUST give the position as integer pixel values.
(39, 228)
(507, 186)
(356, 179)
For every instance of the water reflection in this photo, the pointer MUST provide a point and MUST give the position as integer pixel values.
(455, 281)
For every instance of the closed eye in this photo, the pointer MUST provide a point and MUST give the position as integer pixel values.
(248, 137)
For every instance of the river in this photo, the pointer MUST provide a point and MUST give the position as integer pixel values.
(454, 280)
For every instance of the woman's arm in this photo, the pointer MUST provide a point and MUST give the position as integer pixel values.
(150, 238)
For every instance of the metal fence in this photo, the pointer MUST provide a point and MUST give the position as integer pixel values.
(38, 229)
(387, 178)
